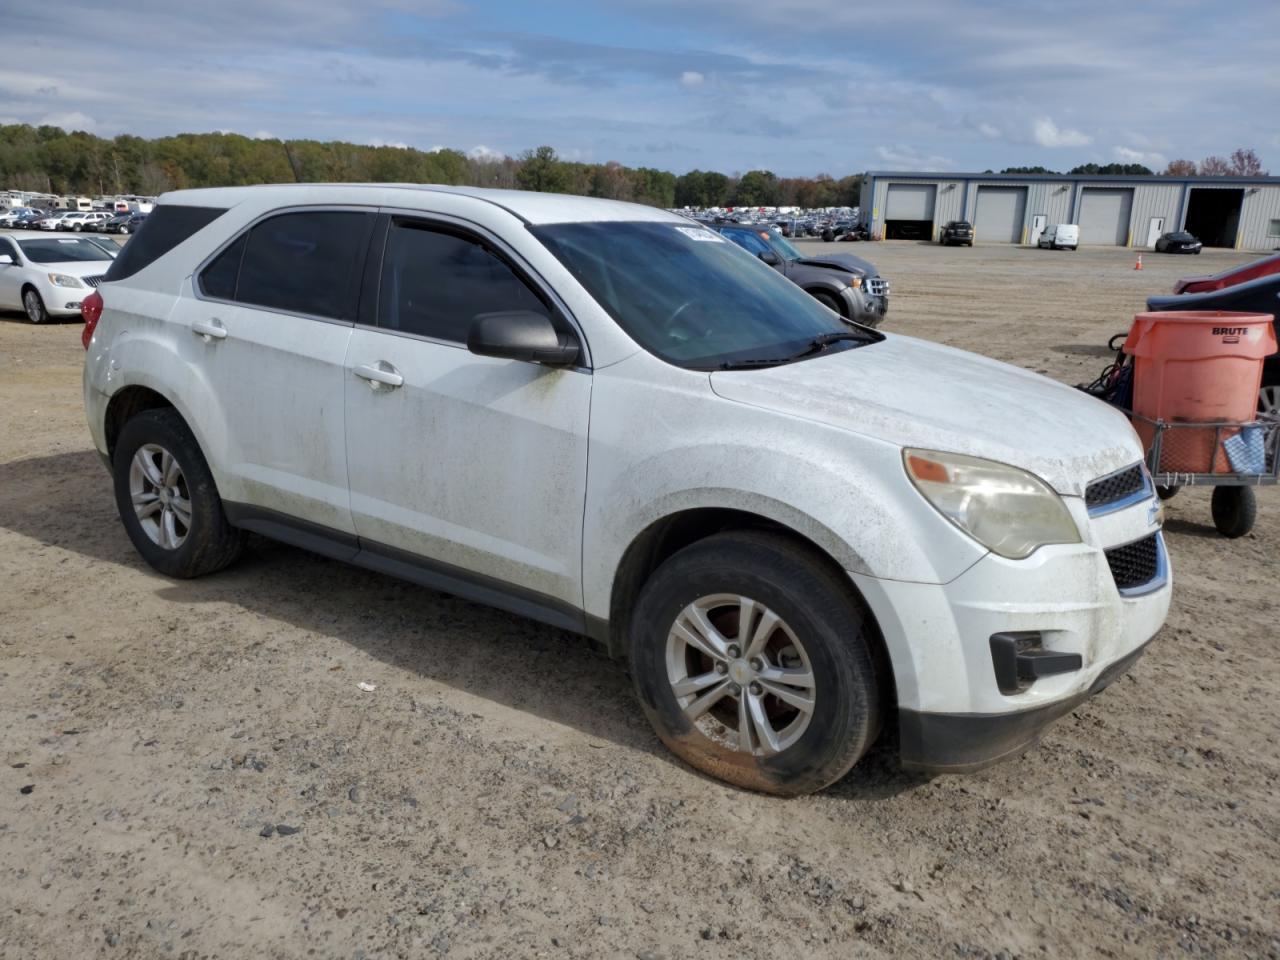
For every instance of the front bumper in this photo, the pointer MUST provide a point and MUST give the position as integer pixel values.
(864, 307)
(953, 713)
(968, 742)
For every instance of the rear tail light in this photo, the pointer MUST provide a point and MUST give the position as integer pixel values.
(91, 310)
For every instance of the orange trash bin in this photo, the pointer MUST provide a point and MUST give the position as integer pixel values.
(1197, 367)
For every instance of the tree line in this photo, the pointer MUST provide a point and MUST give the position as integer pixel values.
(1243, 162)
(49, 159)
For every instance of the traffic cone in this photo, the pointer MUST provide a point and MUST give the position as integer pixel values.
(1138, 265)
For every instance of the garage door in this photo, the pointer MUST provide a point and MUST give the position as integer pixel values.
(1104, 216)
(1000, 213)
(910, 201)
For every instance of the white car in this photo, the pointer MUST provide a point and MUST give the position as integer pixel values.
(608, 418)
(82, 220)
(49, 276)
(1060, 236)
(52, 220)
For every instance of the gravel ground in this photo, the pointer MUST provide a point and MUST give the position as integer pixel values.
(190, 769)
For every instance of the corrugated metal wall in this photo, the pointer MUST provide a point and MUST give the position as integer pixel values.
(1053, 200)
(1256, 214)
(946, 205)
(1154, 200)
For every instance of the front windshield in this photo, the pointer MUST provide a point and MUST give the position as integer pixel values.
(784, 247)
(688, 295)
(71, 250)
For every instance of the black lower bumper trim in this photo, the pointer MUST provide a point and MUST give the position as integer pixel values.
(966, 742)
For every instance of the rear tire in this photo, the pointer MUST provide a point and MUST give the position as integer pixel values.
(167, 499)
(822, 637)
(1234, 510)
(1167, 493)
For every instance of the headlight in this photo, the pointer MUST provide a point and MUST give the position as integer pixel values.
(62, 280)
(1009, 511)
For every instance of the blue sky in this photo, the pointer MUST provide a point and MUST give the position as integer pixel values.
(797, 86)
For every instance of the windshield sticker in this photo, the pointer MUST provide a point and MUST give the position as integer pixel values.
(67, 241)
(701, 235)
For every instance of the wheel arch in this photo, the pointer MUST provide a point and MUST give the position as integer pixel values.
(126, 403)
(673, 532)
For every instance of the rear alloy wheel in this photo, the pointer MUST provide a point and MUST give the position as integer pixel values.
(167, 499)
(752, 660)
(34, 305)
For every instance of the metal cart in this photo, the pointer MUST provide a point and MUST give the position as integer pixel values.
(1231, 457)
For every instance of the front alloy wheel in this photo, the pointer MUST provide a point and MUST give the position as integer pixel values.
(740, 674)
(34, 306)
(754, 660)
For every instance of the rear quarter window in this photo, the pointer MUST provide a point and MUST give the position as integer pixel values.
(165, 228)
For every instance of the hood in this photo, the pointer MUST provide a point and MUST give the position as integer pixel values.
(913, 393)
(76, 268)
(842, 261)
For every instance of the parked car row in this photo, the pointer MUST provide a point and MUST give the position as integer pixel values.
(72, 221)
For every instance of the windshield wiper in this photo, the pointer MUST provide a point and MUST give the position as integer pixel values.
(816, 345)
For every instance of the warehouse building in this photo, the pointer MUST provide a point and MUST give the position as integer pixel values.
(1242, 213)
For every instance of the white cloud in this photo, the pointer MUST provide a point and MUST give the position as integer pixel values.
(481, 152)
(691, 78)
(1150, 158)
(1048, 134)
(990, 131)
(379, 142)
(263, 135)
(71, 120)
(902, 157)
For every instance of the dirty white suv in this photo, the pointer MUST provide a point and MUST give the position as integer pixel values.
(602, 416)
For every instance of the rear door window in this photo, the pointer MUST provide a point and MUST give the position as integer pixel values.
(306, 262)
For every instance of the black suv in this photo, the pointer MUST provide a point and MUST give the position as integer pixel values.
(849, 285)
(957, 231)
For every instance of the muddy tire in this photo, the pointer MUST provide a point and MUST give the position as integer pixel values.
(785, 706)
(167, 499)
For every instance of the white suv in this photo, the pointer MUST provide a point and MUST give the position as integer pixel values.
(612, 420)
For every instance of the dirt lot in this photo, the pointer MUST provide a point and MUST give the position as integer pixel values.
(499, 795)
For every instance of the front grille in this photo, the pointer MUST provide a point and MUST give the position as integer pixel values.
(878, 287)
(93, 281)
(1135, 564)
(1114, 487)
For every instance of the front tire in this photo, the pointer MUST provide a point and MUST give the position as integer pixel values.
(167, 499)
(828, 301)
(752, 660)
(33, 303)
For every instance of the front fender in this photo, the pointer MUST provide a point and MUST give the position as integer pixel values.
(847, 494)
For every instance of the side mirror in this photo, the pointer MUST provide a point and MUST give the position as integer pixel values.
(520, 335)
(6, 259)
(769, 257)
